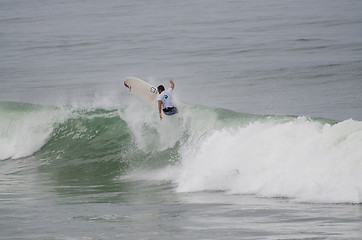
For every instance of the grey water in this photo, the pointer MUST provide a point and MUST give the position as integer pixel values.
(267, 57)
(277, 57)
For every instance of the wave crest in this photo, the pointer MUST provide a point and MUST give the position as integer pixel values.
(199, 150)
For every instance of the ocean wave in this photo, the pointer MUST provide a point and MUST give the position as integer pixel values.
(300, 159)
(25, 128)
(201, 149)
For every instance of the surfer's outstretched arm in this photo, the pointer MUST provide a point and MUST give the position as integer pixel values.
(172, 84)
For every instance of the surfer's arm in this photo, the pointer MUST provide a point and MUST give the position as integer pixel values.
(172, 84)
(160, 108)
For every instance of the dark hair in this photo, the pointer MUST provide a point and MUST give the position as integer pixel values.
(161, 88)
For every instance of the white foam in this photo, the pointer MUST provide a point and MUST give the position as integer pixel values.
(24, 133)
(300, 159)
(150, 133)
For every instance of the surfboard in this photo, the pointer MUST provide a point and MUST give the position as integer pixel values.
(142, 90)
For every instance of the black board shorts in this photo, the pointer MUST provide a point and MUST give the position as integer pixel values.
(170, 110)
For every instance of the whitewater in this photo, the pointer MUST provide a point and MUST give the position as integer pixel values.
(307, 160)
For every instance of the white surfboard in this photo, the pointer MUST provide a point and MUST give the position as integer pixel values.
(142, 90)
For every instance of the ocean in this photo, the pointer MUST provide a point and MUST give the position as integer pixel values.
(266, 144)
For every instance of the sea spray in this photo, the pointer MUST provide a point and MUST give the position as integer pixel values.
(151, 134)
(300, 159)
(25, 128)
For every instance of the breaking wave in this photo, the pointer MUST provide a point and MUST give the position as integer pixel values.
(201, 149)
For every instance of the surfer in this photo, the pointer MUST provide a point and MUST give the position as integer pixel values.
(164, 100)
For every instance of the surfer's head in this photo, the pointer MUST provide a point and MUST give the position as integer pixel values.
(160, 88)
